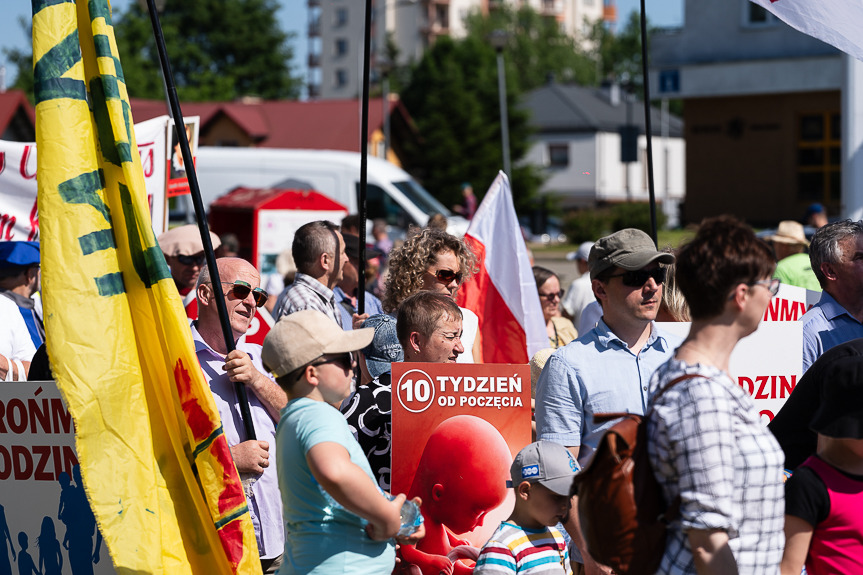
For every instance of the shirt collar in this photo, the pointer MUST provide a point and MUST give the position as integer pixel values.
(201, 345)
(831, 308)
(606, 337)
(20, 300)
(314, 285)
(339, 294)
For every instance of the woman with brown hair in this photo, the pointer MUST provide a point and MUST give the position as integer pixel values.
(436, 261)
(560, 330)
(707, 445)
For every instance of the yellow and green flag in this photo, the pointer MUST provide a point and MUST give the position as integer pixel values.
(155, 462)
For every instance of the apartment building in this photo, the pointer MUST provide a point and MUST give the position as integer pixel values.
(335, 33)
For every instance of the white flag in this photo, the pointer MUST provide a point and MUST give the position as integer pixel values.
(837, 22)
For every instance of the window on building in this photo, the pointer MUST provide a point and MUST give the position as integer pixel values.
(819, 157)
(341, 47)
(558, 155)
(341, 17)
(588, 2)
(341, 78)
(442, 15)
(756, 16)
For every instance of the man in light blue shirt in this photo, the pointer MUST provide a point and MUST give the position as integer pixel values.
(607, 369)
(836, 254)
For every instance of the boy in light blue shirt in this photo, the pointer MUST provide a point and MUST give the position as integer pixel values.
(337, 521)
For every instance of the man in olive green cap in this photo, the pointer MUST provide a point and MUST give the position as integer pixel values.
(607, 369)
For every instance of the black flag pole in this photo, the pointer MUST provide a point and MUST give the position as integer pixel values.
(189, 163)
(364, 158)
(648, 131)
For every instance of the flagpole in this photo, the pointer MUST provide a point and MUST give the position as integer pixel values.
(195, 190)
(647, 127)
(364, 158)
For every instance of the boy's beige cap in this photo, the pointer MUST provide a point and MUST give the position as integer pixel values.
(304, 336)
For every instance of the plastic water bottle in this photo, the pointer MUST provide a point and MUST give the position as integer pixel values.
(411, 518)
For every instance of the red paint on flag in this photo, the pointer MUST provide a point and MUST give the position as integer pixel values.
(231, 536)
(196, 418)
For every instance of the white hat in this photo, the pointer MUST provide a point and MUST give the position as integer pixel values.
(582, 254)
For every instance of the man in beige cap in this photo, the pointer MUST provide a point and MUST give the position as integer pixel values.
(794, 267)
(184, 252)
(607, 369)
(339, 518)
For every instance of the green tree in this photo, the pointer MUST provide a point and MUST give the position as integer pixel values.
(619, 55)
(537, 47)
(453, 97)
(23, 59)
(219, 50)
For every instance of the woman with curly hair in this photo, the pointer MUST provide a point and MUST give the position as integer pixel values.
(436, 261)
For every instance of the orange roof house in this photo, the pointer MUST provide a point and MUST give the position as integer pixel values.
(317, 125)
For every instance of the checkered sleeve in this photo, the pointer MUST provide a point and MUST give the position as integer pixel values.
(702, 443)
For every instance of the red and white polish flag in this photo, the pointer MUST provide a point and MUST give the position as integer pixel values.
(837, 22)
(503, 294)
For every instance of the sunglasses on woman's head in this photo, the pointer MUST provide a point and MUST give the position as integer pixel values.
(241, 290)
(446, 276)
(638, 278)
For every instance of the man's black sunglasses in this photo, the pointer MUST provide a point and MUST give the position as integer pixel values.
(638, 278)
(241, 290)
(192, 260)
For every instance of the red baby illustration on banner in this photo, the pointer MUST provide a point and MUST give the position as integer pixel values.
(456, 429)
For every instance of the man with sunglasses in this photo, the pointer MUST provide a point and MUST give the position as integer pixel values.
(607, 369)
(239, 287)
(184, 253)
(319, 254)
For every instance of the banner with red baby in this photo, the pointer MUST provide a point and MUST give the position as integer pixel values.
(455, 431)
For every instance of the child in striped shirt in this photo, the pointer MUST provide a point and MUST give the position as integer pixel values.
(527, 543)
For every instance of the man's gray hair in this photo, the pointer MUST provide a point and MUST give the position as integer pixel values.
(825, 245)
(311, 241)
(203, 277)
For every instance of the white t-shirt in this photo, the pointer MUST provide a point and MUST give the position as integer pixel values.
(469, 326)
(15, 342)
(589, 317)
(578, 296)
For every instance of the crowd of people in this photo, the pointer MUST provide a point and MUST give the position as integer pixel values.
(320, 393)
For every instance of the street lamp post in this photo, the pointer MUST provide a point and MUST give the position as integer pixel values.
(499, 39)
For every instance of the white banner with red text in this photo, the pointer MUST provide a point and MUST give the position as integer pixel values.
(767, 364)
(19, 215)
(45, 518)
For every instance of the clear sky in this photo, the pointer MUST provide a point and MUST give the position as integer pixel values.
(293, 18)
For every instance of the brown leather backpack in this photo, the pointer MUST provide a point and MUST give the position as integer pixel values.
(620, 505)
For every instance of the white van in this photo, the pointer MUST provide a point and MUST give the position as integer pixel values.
(393, 195)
